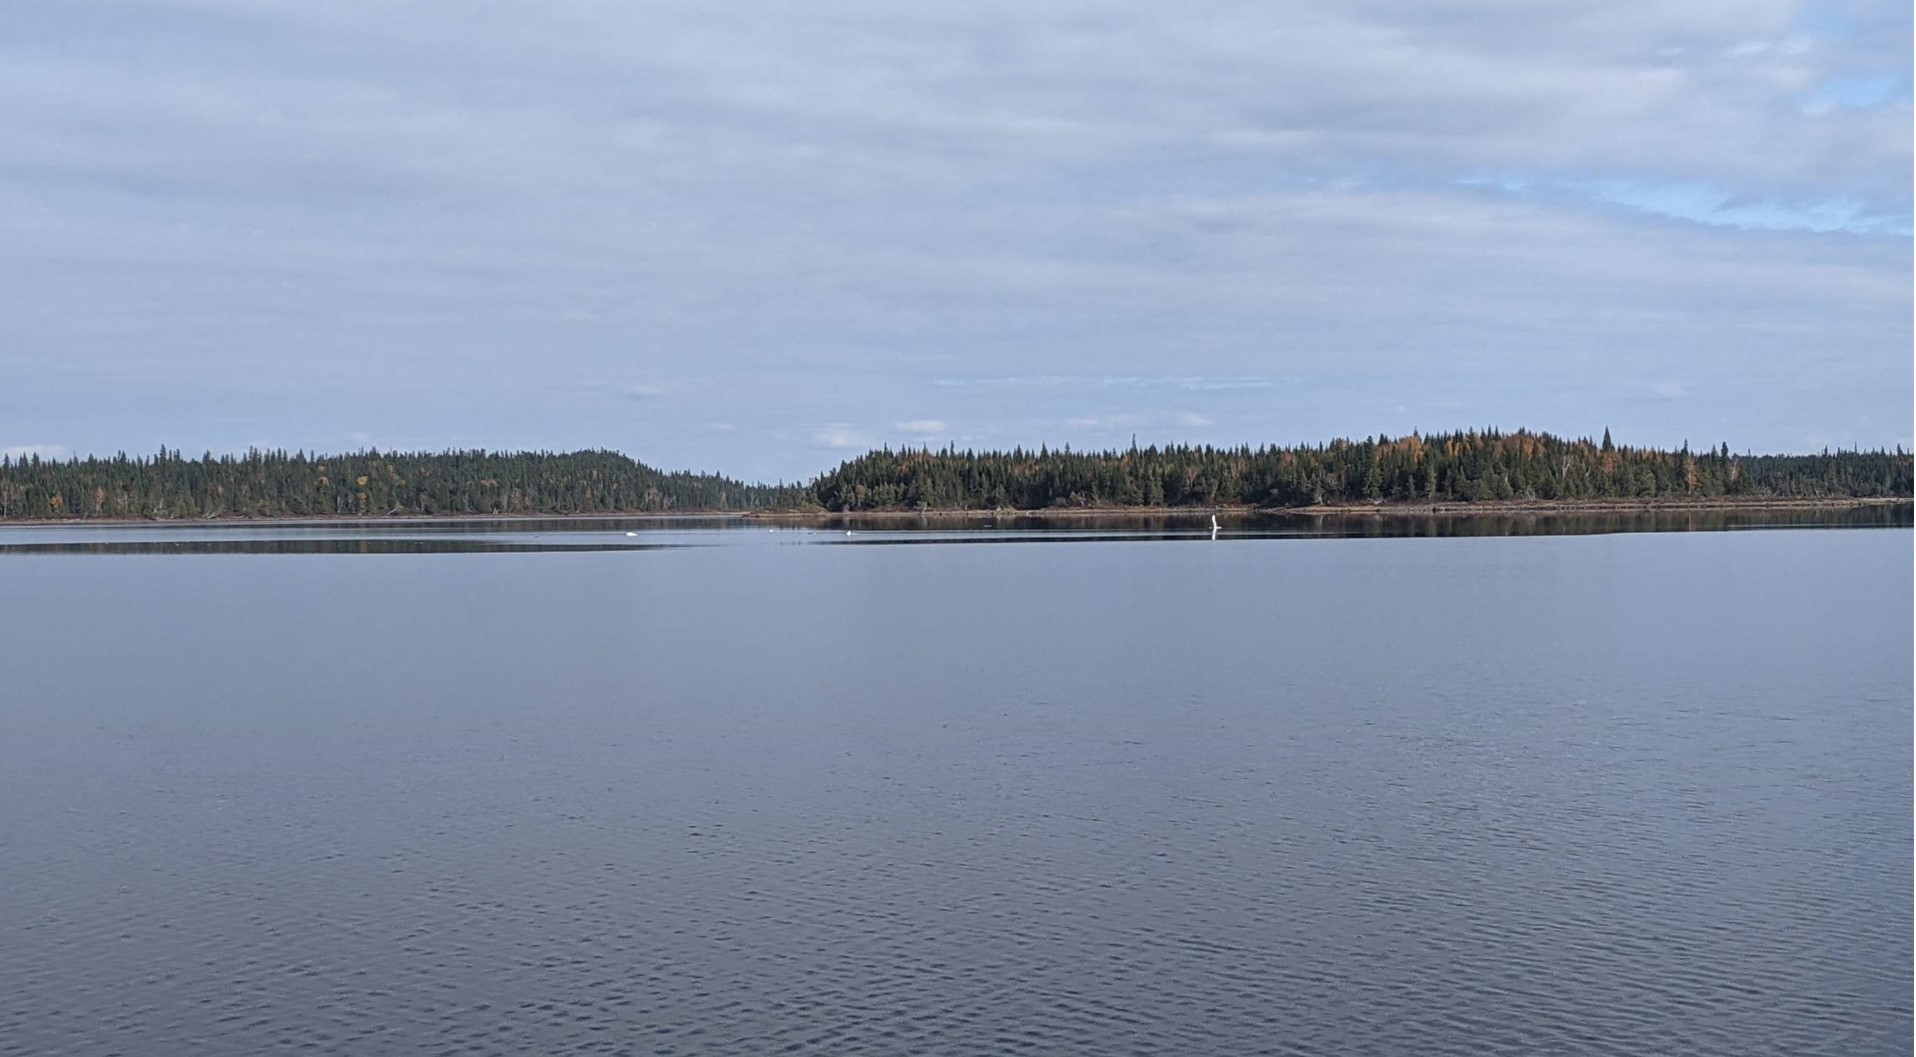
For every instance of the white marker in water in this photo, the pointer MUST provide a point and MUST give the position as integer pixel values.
(631, 533)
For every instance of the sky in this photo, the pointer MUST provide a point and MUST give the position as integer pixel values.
(759, 237)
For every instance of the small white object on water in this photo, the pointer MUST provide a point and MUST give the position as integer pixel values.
(631, 533)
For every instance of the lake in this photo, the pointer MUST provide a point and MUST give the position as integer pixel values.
(1099, 788)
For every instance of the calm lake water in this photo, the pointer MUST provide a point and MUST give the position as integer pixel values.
(1107, 789)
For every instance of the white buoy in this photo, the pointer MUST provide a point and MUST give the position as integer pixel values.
(632, 534)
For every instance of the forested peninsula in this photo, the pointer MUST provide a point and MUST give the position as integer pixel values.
(276, 484)
(1468, 467)
(1473, 467)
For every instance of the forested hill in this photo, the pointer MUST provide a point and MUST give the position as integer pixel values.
(276, 484)
(1467, 467)
(1452, 467)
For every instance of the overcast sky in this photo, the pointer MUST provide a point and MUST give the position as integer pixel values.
(760, 236)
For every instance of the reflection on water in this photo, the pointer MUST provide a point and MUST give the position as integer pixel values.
(1399, 524)
(367, 545)
(1594, 796)
(416, 536)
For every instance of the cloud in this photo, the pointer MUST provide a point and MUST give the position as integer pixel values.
(1189, 383)
(426, 225)
(1705, 205)
(841, 438)
(922, 426)
(1195, 383)
(1669, 390)
(1860, 93)
(1103, 423)
(1140, 420)
(627, 390)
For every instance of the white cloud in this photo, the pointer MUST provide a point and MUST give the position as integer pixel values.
(421, 220)
(922, 426)
(1193, 383)
(1141, 420)
(627, 390)
(841, 438)
(1197, 383)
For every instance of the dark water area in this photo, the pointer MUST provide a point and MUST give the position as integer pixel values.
(498, 535)
(716, 789)
(355, 544)
(1390, 523)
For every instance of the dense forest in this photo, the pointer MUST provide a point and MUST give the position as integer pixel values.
(277, 484)
(1455, 467)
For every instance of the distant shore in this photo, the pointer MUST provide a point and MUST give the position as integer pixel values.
(314, 520)
(1493, 507)
(1384, 509)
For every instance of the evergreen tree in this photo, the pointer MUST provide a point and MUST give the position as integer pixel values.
(1467, 466)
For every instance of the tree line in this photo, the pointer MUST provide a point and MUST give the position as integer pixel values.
(370, 483)
(1469, 466)
(1466, 466)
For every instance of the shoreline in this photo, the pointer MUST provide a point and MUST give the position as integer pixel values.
(1447, 508)
(371, 519)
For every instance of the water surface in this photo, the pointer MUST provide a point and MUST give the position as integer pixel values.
(648, 532)
(723, 790)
